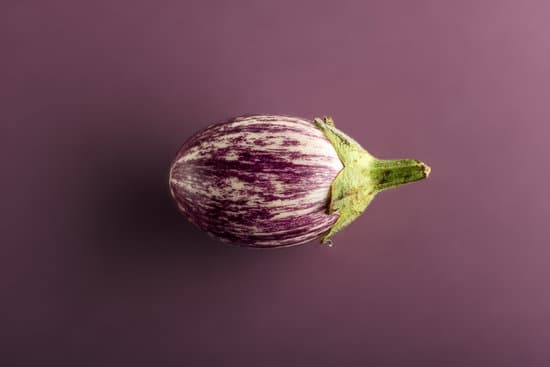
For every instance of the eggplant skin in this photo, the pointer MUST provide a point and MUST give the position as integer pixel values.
(257, 181)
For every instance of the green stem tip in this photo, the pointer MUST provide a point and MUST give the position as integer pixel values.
(387, 173)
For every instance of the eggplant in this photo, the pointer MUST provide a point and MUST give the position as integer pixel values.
(275, 181)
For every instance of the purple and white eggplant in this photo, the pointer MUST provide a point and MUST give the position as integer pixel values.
(273, 181)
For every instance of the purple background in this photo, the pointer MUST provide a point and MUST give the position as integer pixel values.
(98, 269)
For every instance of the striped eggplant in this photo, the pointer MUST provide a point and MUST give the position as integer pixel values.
(273, 181)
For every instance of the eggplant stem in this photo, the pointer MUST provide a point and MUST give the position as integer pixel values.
(387, 173)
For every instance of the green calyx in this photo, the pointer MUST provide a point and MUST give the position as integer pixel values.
(362, 177)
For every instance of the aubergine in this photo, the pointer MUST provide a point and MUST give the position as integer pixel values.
(275, 181)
